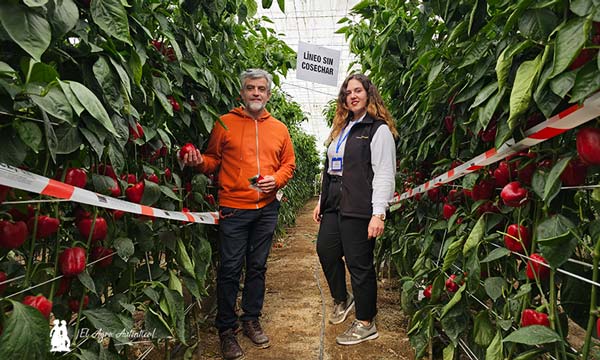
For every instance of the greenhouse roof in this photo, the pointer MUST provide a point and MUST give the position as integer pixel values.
(313, 22)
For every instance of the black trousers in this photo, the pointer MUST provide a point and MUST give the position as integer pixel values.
(346, 238)
(245, 238)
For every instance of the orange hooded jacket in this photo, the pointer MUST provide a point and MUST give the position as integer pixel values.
(244, 148)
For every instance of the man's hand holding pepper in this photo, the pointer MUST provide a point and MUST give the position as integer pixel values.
(193, 158)
(267, 184)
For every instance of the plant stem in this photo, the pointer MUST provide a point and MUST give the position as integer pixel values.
(593, 310)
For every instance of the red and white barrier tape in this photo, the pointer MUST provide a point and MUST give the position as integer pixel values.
(556, 125)
(20, 179)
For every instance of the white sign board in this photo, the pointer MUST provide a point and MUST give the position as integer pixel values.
(317, 64)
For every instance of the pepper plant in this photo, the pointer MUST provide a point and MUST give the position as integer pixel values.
(102, 95)
(462, 77)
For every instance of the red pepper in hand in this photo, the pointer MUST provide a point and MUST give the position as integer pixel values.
(427, 291)
(72, 261)
(448, 211)
(12, 235)
(588, 145)
(134, 193)
(517, 238)
(76, 177)
(185, 149)
(574, 173)
(74, 303)
(39, 302)
(513, 194)
(100, 252)
(46, 226)
(535, 269)
(210, 199)
(100, 228)
(532, 317)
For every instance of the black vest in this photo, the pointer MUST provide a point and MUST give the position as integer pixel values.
(357, 173)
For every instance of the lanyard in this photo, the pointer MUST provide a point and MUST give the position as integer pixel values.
(342, 138)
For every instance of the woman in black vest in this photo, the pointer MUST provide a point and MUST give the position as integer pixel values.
(357, 185)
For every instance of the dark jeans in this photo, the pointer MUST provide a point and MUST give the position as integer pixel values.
(245, 236)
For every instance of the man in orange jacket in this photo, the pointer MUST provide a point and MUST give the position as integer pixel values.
(255, 157)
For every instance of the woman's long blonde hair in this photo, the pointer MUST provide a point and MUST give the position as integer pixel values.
(375, 107)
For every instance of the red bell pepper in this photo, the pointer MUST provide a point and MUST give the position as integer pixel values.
(433, 194)
(532, 317)
(129, 178)
(100, 252)
(210, 199)
(136, 133)
(483, 190)
(134, 193)
(427, 291)
(535, 269)
(517, 238)
(72, 261)
(168, 174)
(76, 177)
(588, 145)
(513, 194)
(3, 278)
(448, 211)
(152, 177)
(74, 303)
(115, 191)
(449, 123)
(574, 173)
(46, 226)
(451, 285)
(4, 190)
(100, 228)
(174, 104)
(12, 235)
(18, 214)
(487, 207)
(39, 302)
(502, 174)
(64, 286)
(118, 214)
(185, 149)
(107, 170)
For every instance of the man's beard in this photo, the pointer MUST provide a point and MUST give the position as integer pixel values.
(255, 106)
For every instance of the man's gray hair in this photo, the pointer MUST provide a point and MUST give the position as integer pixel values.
(256, 74)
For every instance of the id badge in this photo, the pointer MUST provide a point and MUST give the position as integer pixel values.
(336, 164)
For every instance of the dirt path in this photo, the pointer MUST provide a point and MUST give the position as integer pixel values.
(293, 315)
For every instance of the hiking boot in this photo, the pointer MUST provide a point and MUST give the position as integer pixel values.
(254, 331)
(230, 349)
(357, 333)
(341, 310)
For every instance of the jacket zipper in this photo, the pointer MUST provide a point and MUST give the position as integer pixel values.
(257, 160)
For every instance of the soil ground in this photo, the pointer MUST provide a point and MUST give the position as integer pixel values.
(297, 306)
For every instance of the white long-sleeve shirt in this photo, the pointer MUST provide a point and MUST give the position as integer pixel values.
(383, 162)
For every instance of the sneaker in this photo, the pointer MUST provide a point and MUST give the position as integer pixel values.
(358, 333)
(341, 310)
(254, 331)
(230, 349)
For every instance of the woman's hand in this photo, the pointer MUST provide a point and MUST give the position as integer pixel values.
(376, 227)
(317, 213)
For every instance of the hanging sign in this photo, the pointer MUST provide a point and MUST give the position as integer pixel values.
(317, 64)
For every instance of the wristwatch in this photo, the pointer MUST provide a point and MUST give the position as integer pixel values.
(380, 216)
